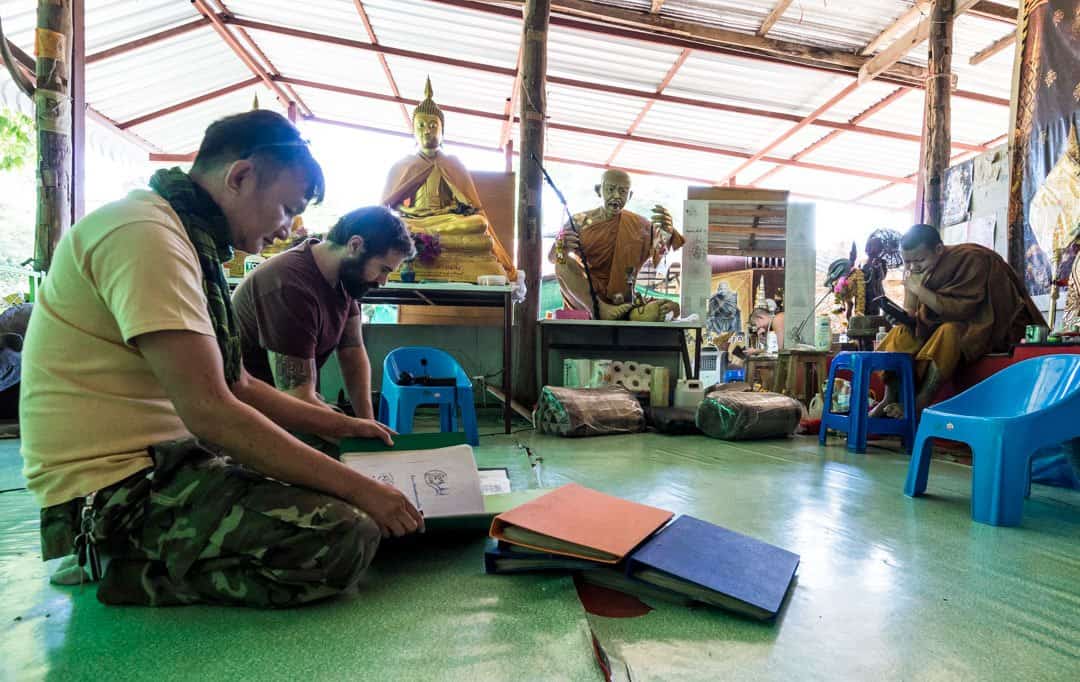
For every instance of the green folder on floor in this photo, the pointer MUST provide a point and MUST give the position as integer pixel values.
(493, 504)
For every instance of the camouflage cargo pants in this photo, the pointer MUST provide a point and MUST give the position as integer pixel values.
(200, 528)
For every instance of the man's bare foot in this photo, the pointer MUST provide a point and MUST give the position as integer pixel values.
(879, 410)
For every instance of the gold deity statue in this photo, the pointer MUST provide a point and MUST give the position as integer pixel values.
(1055, 220)
(434, 194)
(616, 244)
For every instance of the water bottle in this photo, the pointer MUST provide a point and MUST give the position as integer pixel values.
(881, 334)
(772, 344)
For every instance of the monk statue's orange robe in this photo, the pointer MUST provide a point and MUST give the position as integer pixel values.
(437, 196)
(616, 249)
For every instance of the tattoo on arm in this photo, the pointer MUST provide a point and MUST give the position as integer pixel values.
(291, 372)
(353, 335)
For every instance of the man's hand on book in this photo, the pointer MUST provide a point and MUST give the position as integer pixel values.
(389, 508)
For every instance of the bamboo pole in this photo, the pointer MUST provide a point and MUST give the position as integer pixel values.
(53, 116)
(938, 110)
(533, 101)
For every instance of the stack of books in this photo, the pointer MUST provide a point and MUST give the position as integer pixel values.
(639, 549)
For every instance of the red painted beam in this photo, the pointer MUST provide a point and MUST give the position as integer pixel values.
(668, 77)
(123, 48)
(382, 59)
(214, 94)
(238, 49)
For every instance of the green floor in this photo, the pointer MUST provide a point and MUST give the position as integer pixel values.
(889, 587)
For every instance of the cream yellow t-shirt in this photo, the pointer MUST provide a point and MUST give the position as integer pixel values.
(89, 405)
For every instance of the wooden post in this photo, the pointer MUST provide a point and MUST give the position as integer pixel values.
(292, 113)
(78, 113)
(533, 99)
(936, 131)
(52, 112)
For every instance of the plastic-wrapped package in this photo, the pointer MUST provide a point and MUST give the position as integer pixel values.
(577, 412)
(748, 416)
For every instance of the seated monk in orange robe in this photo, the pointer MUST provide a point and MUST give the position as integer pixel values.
(966, 302)
(434, 194)
(616, 243)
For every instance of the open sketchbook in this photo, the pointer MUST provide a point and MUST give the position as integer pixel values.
(440, 482)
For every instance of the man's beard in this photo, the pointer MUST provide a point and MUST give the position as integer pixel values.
(352, 278)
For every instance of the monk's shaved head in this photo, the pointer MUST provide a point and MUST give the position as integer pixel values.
(615, 175)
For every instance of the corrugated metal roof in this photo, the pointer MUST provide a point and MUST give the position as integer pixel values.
(320, 62)
(329, 17)
(123, 88)
(181, 132)
(152, 78)
(748, 82)
(602, 59)
(434, 29)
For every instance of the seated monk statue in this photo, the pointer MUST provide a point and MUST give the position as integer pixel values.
(434, 194)
(966, 302)
(616, 244)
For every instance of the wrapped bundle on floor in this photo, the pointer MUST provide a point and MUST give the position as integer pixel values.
(748, 416)
(576, 412)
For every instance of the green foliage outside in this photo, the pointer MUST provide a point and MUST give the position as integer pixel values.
(16, 140)
(17, 197)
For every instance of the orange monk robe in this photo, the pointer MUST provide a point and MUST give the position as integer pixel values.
(984, 310)
(409, 174)
(613, 246)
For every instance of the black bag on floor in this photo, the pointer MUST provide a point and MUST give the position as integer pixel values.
(673, 421)
(748, 416)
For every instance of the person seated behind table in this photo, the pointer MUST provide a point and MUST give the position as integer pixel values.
(765, 320)
(303, 304)
(113, 433)
(966, 302)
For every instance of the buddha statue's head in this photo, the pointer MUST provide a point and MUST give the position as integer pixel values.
(614, 190)
(428, 122)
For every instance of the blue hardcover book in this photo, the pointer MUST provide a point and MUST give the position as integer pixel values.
(716, 566)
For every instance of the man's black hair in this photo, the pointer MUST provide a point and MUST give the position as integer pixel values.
(381, 230)
(921, 235)
(268, 140)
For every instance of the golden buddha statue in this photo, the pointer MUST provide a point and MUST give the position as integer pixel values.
(616, 243)
(434, 194)
(1054, 215)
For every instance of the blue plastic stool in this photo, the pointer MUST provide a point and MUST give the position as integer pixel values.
(398, 402)
(857, 423)
(1005, 419)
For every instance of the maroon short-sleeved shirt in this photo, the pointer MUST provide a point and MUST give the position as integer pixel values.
(286, 306)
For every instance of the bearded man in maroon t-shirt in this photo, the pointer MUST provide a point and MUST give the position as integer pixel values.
(301, 305)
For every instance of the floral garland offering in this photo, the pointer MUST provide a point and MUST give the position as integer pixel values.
(428, 247)
(851, 289)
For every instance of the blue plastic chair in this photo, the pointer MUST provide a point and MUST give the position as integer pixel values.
(1004, 419)
(857, 423)
(398, 403)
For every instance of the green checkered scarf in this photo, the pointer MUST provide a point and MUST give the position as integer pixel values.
(209, 232)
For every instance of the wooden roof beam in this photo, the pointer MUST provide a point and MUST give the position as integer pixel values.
(915, 12)
(914, 37)
(774, 16)
(603, 19)
(654, 8)
(994, 48)
(996, 11)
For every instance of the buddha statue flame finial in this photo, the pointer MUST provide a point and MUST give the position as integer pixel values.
(428, 106)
